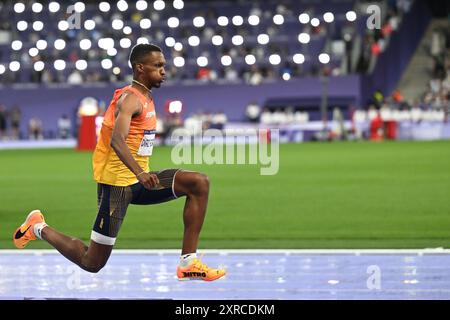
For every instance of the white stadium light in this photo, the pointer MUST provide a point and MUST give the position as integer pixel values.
(351, 16)
(217, 40)
(178, 4)
(315, 22)
(89, 24)
(194, 41)
(38, 66)
(141, 5)
(298, 58)
(59, 44)
(159, 5)
(237, 20)
(175, 106)
(173, 22)
(33, 52)
(170, 41)
(274, 59)
(226, 60)
(253, 20)
(105, 43)
(14, 66)
(16, 45)
(178, 46)
(324, 58)
(278, 19)
(125, 43)
(178, 62)
(81, 65)
(263, 39)
(63, 25)
(328, 17)
(202, 61)
(222, 21)
(36, 7)
(59, 64)
(54, 7)
(2, 69)
(106, 64)
(122, 5)
(85, 44)
(250, 59)
(304, 38)
(104, 6)
(127, 30)
(142, 40)
(303, 18)
(19, 7)
(198, 22)
(116, 71)
(237, 40)
(38, 25)
(145, 23)
(111, 52)
(117, 24)
(41, 44)
(22, 25)
(79, 7)
(286, 76)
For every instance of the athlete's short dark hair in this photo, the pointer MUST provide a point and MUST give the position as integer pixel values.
(139, 51)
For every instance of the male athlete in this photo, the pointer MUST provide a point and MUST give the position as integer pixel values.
(121, 162)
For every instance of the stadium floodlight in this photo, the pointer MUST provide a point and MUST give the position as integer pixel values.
(324, 58)
(37, 7)
(38, 25)
(226, 60)
(16, 45)
(173, 22)
(85, 44)
(194, 41)
(111, 52)
(22, 25)
(117, 24)
(217, 40)
(250, 59)
(14, 66)
(38, 66)
(178, 4)
(89, 24)
(178, 46)
(2, 69)
(125, 43)
(222, 21)
(170, 42)
(105, 43)
(286, 76)
(263, 38)
(33, 52)
(202, 61)
(116, 71)
(122, 5)
(142, 40)
(274, 59)
(351, 16)
(104, 6)
(63, 25)
(19, 7)
(315, 22)
(59, 64)
(328, 17)
(79, 7)
(81, 65)
(159, 5)
(145, 23)
(59, 44)
(253, 20)
(298, 58)
(106, 64)
(54, 7)
(41, 44)
(175, 106)
(141, 5)
(127, 30)
(178, 62)
(237, 40)
(198, 22)
(278, 19)
(237, 20)
(303, 18)
(304, 38)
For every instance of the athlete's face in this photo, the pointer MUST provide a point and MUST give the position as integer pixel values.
(152, 69)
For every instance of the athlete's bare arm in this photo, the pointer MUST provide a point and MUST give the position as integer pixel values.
(128, 107)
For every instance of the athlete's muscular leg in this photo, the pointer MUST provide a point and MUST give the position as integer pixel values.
(195, 186)
(92, 258)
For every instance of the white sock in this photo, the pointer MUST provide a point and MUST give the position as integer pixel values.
(186, 259)
(38, 229)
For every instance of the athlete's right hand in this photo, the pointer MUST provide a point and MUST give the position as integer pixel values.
(148, 180)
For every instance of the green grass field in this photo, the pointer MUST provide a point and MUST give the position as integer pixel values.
(340, 195)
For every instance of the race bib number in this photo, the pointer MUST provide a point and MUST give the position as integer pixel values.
(146, 147)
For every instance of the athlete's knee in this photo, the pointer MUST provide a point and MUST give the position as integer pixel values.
(201, 183)
(93, 267)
